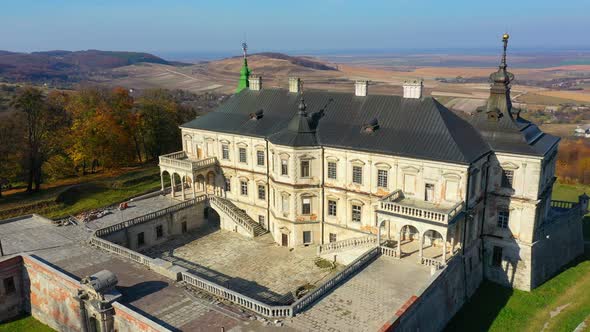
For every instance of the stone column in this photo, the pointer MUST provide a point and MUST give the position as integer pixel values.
(194, 190)
(172, 184)
(452, 245)
(421, 244)
(162, 180)
(399, 245)
(182, 188)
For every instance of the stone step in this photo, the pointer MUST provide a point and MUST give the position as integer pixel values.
(258, 229)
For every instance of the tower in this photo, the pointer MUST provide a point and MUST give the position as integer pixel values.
(245, 71)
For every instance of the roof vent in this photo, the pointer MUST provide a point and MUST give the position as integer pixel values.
(413, 89)
(255, 83)
(256, 115)
(371, 126)
(361, 88)
(294, 84)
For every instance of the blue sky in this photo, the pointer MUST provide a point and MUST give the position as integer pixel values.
(300, 25)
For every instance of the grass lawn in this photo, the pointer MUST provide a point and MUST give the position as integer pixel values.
(72, 197)
(25, 324)
(565, 296)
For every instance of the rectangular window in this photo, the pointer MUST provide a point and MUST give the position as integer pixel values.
(497, 256)
(332, 170)
(183, 226)
(306, 237)
(225, 152)
(332, 237)
(228, 184)
(503, 218)
(305, 168)
(356, 213)
(159, 231)
(243, 155)
(306, 206)
(507, 178)
(261, 220)
(284, 167)
(9, 285)
(140, 239)
(244, 188)
(260, 158)
(429, 192)
(332, 208)
(452, 190)
(357, 174)
(382, 178)
(261, 191)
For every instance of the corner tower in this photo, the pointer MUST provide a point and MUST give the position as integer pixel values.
(245, 71)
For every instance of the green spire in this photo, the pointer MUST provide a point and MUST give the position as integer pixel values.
(244, 72)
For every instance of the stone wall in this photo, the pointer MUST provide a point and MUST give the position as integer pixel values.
(50, 294)
(431, 308)
(12, 302)
(560, 243)
(127, 320)
(171, 226)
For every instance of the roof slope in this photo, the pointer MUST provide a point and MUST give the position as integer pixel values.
(419, 128)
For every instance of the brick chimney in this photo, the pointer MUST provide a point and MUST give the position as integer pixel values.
(413, 89)
(361, 88)
(255, 83)
(294, 84)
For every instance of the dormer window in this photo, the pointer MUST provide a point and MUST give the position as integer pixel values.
(370, 126)
(256, 115)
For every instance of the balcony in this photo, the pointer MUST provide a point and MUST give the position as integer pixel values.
(397, 203)
(180, 161)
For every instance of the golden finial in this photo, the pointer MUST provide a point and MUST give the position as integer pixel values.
(505, 36)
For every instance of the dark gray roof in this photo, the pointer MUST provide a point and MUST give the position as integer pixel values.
(420, 128)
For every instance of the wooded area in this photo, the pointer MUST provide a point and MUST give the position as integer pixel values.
(573, 161)
(60, 134)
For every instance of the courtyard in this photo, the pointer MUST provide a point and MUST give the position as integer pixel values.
(257, 267)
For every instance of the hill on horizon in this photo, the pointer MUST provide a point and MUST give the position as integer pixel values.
(65, 67)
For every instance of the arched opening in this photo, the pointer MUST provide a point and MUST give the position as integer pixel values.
(213, 219)
(93, 325)
(432, 244)
(210, 182)
(200, 182)
(176, 185)
(408, 240)
(165, 179)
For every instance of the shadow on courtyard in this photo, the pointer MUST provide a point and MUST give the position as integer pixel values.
(141, 289)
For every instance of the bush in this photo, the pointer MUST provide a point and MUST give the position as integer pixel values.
(59, 167)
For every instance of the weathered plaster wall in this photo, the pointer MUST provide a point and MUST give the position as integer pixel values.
(171, 223)
(127, 320)
(51, 295)
(12, 302)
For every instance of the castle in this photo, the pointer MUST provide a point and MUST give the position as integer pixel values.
(415, 205)
(315, 167)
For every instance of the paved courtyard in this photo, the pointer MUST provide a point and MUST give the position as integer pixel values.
(256, 267)
(367, 300)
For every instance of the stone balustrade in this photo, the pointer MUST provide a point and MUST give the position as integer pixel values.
(563, 204)
(394, 203)
(180, 161)
(346, 244)
(432, 262)
(236, 217)
(147, 217)
(388, 251)
(121, 251)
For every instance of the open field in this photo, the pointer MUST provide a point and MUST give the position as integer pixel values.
(25, 324)
(80, 194)
(561, 304)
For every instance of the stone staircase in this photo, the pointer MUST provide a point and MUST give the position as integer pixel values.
(240, 217)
